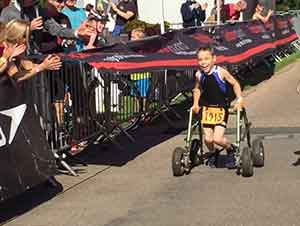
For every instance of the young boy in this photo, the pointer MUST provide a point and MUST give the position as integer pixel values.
(210, 90)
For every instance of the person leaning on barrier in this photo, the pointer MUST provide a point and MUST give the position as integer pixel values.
(211, 90)
(16, 35)
(233, 11)
(258, 15)
(30, 11)
(193, 13)
(77, 17)
(52, 43)
(7, 53)
(97, 23)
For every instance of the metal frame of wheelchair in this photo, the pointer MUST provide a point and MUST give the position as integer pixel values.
(248, 154)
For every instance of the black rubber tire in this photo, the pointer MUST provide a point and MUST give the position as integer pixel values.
(177, 166)
(247, 162)
(247, 127)
(194, 157)
(258, 153)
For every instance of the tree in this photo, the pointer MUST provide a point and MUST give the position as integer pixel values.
(284, 5)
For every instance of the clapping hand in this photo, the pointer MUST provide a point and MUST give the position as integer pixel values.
(51, 62)
(204, 6)
(36, 24)
(270, 12)
(10, 52)
(85, 31)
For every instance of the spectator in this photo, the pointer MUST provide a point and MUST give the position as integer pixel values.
(137, 34)
(126, 11)
(50, 43)
(8, 52)
(54, 44)
(258, 15)
(29, 11)
(16, 35)
(97, 23)
(142, 81)
(77, 17)
(233, 11)
(193, 14)
(214, 11)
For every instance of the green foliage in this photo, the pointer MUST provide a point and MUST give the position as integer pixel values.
(284, 5)
(42, 2)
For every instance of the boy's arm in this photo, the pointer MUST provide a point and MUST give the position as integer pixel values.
(235, 84)
(196, 93)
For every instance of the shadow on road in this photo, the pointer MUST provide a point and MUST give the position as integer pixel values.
(21, 204)
(145, 137)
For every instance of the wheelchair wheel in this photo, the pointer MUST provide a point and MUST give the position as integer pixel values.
(258, 153)
(247, 163)
(194, 157)
(177, 165)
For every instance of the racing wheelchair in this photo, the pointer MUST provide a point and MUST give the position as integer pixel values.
(247, 154)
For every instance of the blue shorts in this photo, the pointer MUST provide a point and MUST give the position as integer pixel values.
(118, 30)
(142, 86)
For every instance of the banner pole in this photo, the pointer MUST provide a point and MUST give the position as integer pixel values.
(218, 12)
(162, 18)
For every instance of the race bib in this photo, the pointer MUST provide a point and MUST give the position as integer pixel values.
(212, 115)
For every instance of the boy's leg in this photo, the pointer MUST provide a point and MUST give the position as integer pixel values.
(221, 140)
(209, 141)
(219, 137)
(209, 138)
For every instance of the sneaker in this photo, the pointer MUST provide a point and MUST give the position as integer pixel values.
(230, 160)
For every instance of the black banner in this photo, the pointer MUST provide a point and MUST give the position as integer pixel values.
(234, 44)
(25, 157)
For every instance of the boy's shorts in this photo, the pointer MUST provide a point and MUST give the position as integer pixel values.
(222, 124)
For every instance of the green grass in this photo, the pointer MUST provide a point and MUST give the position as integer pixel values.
(287, 61)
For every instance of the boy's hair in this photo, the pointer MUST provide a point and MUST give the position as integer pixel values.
(206, 48)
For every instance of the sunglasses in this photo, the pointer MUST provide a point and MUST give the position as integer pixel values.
(60, 1)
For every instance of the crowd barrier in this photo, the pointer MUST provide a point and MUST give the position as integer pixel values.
(79, 104)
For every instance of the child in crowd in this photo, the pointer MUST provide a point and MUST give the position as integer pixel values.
(211, 90)
(258, 15)
(142, 81)
(137, 34)
(97, 24)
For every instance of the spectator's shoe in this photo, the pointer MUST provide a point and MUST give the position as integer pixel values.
(212, 160)
(230, 160)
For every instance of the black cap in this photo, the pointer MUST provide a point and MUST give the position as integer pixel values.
(98, 17)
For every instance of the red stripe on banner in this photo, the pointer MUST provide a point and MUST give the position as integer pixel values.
(286, 40)
(190, 62)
